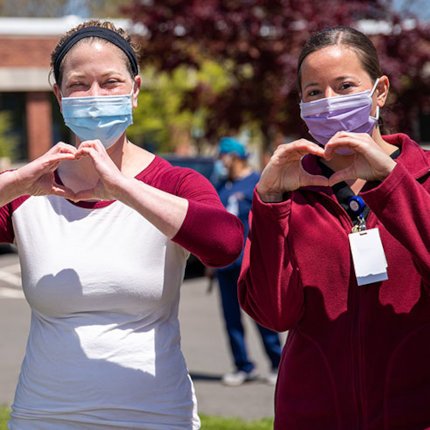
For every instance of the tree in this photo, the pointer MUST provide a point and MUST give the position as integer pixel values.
(8, 142)
(160, 121)
(257, 43)
(106, 8)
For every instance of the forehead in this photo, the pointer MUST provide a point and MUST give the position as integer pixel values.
(331, 62)
(94, 53)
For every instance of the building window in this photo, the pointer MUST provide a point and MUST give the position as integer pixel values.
(14, 104)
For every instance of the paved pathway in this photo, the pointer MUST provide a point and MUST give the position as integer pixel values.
(203, 343)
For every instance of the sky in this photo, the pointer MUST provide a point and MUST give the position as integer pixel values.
(420, 7)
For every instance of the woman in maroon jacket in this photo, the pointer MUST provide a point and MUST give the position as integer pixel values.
(338, 252)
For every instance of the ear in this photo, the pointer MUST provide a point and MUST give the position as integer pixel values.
(136, 89)
(381, 91)
(58, 95)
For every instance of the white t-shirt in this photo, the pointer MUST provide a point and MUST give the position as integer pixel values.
(103, 285)
(104, 342)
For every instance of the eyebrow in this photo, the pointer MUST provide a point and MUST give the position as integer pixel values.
(340, 78)
(78, 75)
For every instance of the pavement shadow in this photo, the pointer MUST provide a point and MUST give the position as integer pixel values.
(200, 376)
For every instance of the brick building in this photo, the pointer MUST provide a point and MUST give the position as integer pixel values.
(25, 89)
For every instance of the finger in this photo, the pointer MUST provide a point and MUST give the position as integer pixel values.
(53, 162)
(85, 195)
(357, 142)
(342, 175)
(60, 156)
(96, 144)
(59, 190)
(337, 147)
(298, 151)
(303, 145)
(64, 148)
(89, 150)
(316, 180)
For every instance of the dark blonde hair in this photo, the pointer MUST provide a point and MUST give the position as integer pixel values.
(92, 24)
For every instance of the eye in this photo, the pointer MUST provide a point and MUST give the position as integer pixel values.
(112, 82)
(345, 86)
(76, 85)
(313, 93)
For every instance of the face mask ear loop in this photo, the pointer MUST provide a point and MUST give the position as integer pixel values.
(132, 93)
(376, 117)
(374, 87)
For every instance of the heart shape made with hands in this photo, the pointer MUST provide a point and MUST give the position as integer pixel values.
(353, 156)
(343, 164)
(343, 161)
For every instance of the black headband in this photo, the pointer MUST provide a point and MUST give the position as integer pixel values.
(101, 32)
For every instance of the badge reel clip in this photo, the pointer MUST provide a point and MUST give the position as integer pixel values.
(356, 205)
(370, 263)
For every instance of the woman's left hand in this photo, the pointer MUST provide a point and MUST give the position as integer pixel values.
(369, 161)
(109, 174)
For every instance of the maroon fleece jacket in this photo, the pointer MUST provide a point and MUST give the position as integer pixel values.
(355, 357)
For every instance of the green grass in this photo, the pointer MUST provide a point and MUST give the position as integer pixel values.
(4, 416)
(208, 423)
(218, 423)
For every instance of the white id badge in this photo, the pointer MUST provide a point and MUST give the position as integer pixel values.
(368, 256)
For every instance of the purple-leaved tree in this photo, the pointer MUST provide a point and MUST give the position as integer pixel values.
(257, 42)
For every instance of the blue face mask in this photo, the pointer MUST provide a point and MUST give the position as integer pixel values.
(220, 172)
(98, 117)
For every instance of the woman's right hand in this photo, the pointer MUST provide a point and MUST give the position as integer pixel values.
(285, 172)
(37, 177)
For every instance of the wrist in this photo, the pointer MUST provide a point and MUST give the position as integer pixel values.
(11, 184)
(390, 167)
(269, 196)
(119, 189)
(18, 183)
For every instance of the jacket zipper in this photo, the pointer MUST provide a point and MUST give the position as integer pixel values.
(355, 342)
(356, 355)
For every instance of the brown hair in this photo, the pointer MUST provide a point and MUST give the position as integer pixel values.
(93, 23)
(345, 36)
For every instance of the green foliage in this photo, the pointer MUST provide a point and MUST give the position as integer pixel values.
(258, 43)
(160, 118)
(106, 8)
(8, 143)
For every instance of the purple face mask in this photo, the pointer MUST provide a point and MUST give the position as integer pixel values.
(351, 112)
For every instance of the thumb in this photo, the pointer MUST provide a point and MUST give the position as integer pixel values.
(317, 180)
(341, 175)
(85, 194)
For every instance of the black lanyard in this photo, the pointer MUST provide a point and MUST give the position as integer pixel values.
(353, 204)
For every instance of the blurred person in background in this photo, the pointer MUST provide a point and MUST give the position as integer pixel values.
(338, 252)
(103, 230)
(235, 192)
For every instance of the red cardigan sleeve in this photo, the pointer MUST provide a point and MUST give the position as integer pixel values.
(209, 232)
(270, 289)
